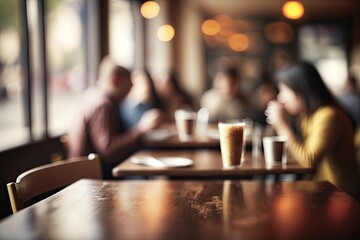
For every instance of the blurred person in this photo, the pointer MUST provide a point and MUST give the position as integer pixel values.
(262, 94)
(224, 101)
(172, 96)
(350, 100)
(95, 126)
(326, 140)
(279, 59)
(141, 98)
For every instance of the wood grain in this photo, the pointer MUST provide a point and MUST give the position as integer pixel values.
(95, 209)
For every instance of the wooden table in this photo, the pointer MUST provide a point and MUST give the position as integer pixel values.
(207, 163)
(96, 209)
(166, 137)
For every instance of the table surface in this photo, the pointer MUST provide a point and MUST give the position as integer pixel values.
(167, 137)
(160, 209)
(206, 163)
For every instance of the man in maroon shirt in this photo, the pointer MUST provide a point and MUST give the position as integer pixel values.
(95, 128)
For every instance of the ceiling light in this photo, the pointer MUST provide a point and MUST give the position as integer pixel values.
(210, 27)
(239, 42)
(165, 33)
(150, 9)
(293, 9)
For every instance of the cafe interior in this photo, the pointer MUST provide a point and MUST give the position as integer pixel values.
(176, 185)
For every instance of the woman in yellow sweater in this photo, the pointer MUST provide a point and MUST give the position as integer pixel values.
(327, 137)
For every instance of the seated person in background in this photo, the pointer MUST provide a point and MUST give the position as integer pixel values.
(141, 98)
(327, 137)
(172, 96)
(224, 101)
(95, 127)
(350, 100)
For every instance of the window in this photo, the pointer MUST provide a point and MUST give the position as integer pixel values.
(325, 46)
(65, 34)
(13, 127)
(22, 117)
(121, 30)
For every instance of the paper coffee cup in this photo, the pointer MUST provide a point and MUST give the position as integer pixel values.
(275, 149)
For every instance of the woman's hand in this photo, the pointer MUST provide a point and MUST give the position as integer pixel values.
(276, 115)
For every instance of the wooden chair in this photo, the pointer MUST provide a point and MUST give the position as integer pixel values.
(51, 177)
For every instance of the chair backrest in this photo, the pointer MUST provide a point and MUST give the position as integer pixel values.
(49, 177)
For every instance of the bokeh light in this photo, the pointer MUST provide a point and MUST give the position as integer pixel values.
(279, 32)
(226, 27)
(150, 9)
(238, 42)
(293, 10)
(165, 33)
(210, 27)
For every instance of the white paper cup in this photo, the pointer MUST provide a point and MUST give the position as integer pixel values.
(275, 149)
(232, 143)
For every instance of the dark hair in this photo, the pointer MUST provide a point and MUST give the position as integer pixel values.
(230, 72)
(150, 82)
(305, 80)
(156, 98)
(172, 77)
